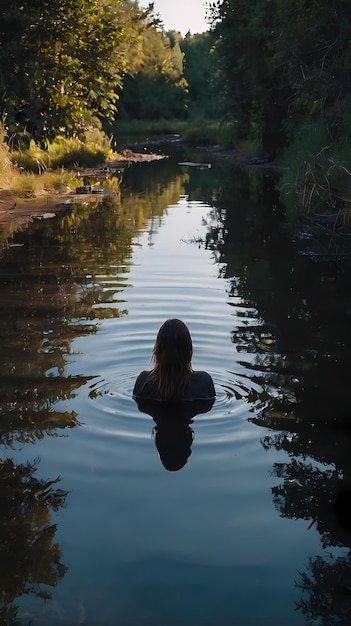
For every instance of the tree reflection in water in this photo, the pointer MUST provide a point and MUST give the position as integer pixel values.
(328, 585)
(309, 412)
(49, 297)
(319, 494)
(30, 560)
(172, 432)
(296, 346)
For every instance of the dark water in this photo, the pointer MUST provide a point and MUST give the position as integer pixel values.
(255, 528)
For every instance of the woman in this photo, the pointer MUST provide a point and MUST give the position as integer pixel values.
(172, 377)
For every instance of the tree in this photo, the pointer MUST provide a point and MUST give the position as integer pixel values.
(158, 88)
(240, 31)
(60, 62)
(283, 65)
(203, 97)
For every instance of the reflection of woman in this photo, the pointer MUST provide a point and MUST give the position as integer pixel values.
(173, 434)
(172, 377)
(173, 393)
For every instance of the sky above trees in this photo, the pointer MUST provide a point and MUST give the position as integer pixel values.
(182, 15)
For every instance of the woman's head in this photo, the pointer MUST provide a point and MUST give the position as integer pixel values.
(173, 345)
(172, 355)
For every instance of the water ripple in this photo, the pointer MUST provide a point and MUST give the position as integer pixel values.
(116, 413)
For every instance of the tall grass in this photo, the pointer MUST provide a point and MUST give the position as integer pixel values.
(64, 152)
(29, 185)
(7, 169)
(317, 177)
(19, 168)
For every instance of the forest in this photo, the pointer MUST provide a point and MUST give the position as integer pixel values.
(270, 79)
(275, 73)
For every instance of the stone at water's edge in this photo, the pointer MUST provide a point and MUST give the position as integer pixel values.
(201, 166)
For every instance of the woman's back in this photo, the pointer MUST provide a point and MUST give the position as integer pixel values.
(200, 387)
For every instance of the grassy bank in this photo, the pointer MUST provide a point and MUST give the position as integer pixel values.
(316, 183)
(28, 170)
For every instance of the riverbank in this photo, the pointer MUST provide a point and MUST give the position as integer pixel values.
(238, 157)
(48, 203)
(20, 211)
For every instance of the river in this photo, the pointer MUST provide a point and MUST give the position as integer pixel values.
(254, 526)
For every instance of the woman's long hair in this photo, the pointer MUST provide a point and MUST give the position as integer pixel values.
(170, 377)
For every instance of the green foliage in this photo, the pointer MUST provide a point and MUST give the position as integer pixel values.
(284, 61)
(158, 88)
(6, 166)
(19, 168)
(204, 94)
(284, 70)
(175, 79)
(61, 61)
(317, 177)
(244, 71)
(62, 152)
(68, 152)
(66, 64)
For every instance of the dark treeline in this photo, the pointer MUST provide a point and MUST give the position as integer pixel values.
(276, 72)
(284, 70)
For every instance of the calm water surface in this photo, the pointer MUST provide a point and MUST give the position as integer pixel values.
(250, 530)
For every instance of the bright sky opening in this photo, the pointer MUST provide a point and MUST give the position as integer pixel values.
(181, 15)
